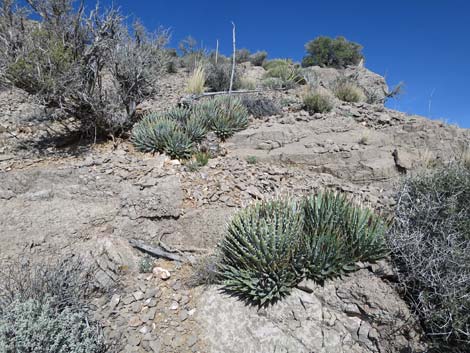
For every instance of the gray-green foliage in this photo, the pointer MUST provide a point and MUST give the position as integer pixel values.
(338, 234)
(259, 249)
(272, 246)
(284, 72)
(430, 243)
(317, 103)
(177, 131)
(37, 326)
(258, 58)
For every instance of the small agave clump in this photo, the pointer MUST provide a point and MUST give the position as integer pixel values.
(195, 128)
(180, 114)
(259, 249)
(232, 116)
(148, 135)
(178, 144)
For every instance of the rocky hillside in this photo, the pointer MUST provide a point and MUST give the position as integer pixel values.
(60, 196)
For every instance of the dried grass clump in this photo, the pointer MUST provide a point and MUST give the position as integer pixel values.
(349, 92)
(196, 81)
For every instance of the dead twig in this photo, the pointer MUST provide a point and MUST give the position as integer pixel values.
(155, 251)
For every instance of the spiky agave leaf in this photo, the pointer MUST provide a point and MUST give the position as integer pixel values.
(339, 233)
(195, 128)
(179, 114)
(232, 116)
(206, 111)
(178, 144)
(258, 251)
(148, 135)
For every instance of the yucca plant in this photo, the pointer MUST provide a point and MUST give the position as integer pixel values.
(179, 114)
(259, 250)
(178, 144)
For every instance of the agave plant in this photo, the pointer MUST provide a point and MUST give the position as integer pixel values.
(178, 144)
(232, 116)
(337, 234)
(195, 128)
(148, 135)
(179, 114)
(259, 250)
(206, 111)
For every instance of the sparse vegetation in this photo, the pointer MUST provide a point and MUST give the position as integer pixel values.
(177, 131)
(196, 81)
(146, 264)
(317, 103)
(258, 58)
(430, 242)
(42, 309)
(260, 106)
(87, 66)
(272, 245)
(285, 72)
(329, 52)
(242, 56)
(251, 160)
(218, 76)
(349, 92)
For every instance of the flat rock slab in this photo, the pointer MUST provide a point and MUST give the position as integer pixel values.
(358, 314)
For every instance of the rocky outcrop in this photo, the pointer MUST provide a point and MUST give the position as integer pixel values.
(357, 314)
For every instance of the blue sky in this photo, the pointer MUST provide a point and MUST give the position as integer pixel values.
(426, 44)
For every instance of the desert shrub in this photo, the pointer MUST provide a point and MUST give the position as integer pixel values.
(42, 308)
(196, 81)
(192, 55)
(178, 144)
(218, 76)
(329, 52)
(149, 134)
(202, 158)
(430, 242)
(271, 246)
(86, 65)
(37, 326)
(247, 83)
(260, 106)
(349, 92)
(317, 103)
(206, 111)
(231, 117)
(258, 251)
(258, 58)
(286, 72)
(242, 56)
(251, 160)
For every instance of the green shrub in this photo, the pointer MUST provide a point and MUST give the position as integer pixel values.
(329, 52)
(258, 251)
(251, 160)
(349, 92)
(242, 56)
(33, 326)
(317, 103)
(218, 76)
(146, 264)
(272, 246)
(258, 58)
(261, 106)
(430, 242)
(178, 144)
(285, 71)
(202, 158)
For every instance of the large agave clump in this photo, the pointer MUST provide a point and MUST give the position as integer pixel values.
(232, 116)
(337, 234)
(258, 253)
(196, 128)
(149, 134)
